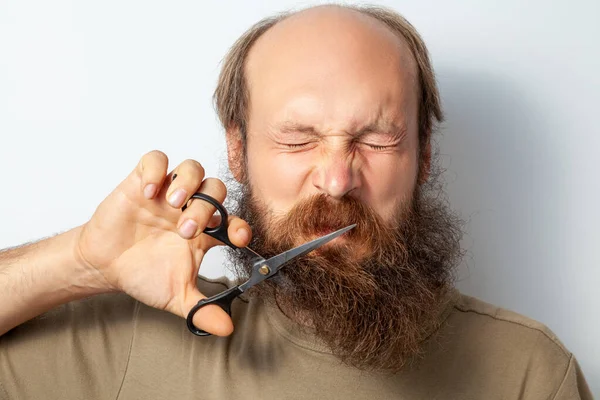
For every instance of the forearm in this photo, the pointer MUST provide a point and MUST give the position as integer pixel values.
(40, 276)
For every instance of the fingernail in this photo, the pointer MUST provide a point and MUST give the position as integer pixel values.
(243, 234)
(188, 228)
(150, 190)
(177, 198)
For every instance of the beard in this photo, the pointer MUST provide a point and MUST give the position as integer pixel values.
(372, 296)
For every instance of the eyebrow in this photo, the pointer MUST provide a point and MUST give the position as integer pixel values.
(379, 126)
(293, 127)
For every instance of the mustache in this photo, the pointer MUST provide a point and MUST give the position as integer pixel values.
(319, 214)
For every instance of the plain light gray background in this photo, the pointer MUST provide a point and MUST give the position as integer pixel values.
(87, 87)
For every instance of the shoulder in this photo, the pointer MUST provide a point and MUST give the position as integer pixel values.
(498, 346)
(508, 325)
(44, 357)
(488, 351)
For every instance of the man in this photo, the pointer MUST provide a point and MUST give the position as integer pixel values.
(328, 115)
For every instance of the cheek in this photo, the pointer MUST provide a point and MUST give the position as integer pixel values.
(277, 179)
(390, 182)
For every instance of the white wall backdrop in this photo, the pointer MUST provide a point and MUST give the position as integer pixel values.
(87, 87)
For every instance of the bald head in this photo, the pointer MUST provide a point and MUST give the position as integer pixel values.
(337, 67)
(353, 63)
(332, 37)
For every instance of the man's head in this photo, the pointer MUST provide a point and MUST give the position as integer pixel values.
(362, 72)
(329, 113)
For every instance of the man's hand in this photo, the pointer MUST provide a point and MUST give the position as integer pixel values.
(140, 242)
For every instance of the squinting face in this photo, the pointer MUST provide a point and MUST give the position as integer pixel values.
(334, 114)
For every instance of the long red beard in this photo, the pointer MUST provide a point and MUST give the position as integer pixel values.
(372, 296)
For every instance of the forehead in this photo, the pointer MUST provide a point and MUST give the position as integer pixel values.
(331, 64)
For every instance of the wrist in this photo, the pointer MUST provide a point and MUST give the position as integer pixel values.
(84, 279)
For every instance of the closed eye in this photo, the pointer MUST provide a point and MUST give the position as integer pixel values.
(375, 147)
(296, 146)
(378, 147)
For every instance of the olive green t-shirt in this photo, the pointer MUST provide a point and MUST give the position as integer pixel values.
(112, 347)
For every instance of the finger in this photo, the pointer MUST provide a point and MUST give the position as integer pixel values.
(211, 318)
(198, 213)
(152, 170)
(190, 174)
(239, 233)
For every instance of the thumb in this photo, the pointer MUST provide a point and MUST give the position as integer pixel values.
(210, 318)
(238, 232)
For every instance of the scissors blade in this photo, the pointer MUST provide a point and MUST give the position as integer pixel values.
(254, 256)
(276, 262)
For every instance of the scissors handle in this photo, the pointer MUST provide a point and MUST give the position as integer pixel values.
(219, 232)
(223, 300)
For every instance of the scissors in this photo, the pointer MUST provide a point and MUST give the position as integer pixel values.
(261, 269)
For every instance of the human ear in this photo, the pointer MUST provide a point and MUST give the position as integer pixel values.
(235, 153)
(425, 161)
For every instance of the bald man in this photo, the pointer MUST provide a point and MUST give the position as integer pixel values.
(328, 114)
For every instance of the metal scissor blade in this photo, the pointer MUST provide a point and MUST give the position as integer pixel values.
(277, 261)
(254, 256)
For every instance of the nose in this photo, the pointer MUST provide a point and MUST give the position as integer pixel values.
(336, 175)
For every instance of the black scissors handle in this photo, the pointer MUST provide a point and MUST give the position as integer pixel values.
(219, 232)
(223, 300)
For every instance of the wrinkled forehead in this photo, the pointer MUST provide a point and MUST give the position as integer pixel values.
(331, 61)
